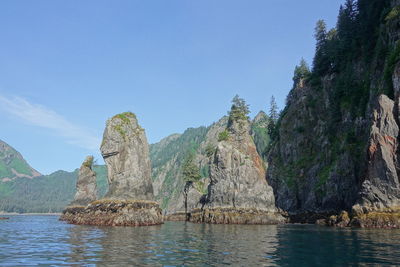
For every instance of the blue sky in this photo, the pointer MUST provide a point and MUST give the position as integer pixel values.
(67, 66)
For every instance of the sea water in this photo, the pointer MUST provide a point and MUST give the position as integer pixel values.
(43, 240)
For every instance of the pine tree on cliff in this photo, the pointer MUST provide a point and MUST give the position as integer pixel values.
(191, 174)
(346, 31)
(301, 72)
(239, 110)
(321, 62)
(273, 116)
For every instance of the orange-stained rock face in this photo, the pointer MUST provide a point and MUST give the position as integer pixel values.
(381, 188)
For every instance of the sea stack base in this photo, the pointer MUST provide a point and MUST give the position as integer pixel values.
(236, 216)
(115, 213)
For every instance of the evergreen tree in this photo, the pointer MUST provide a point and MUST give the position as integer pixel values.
(191, 174)
(321, 62)
(273, 116)
(300, 73)
(347, 26)
(239, 110)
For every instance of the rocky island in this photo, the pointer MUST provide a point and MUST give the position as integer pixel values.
(130, 199)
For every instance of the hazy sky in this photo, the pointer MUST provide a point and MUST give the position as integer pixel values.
(67, 66)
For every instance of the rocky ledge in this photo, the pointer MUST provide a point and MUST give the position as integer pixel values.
(387, 219)
(235, 216)
(175, 217)
(360, 217)
(111, 212)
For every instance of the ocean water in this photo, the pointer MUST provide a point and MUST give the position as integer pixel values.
(43, 240)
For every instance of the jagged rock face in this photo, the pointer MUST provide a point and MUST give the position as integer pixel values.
(381, 187)
(237, 173)
(126, 153)
(86, 184)
(309, 170)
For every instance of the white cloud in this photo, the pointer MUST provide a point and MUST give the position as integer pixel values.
(41, 116)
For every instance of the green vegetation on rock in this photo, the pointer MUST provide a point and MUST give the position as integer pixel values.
(223, 136)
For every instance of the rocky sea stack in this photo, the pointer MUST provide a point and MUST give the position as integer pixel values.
(238, 192)
(130, 199)
(86, 185)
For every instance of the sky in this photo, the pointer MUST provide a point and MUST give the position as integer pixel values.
(67, 66)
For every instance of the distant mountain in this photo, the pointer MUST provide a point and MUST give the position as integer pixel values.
(13, 165)
(47, 193)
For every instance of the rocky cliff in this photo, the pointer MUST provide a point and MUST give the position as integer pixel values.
(129, 200)
(238, 191)
(336, 144)
(86, 188)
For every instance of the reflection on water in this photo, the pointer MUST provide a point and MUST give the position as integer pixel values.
(43, 240)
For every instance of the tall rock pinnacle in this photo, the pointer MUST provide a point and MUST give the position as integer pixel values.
(126, 153)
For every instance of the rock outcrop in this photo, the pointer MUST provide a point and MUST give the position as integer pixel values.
(86, 188)
(238, 192)
(130, 199)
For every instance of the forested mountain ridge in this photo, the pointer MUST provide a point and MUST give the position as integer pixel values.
(336, 143)
(13, 165)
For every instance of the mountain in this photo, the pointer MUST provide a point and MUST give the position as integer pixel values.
(13, 165)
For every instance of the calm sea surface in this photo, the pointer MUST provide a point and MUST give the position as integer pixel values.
(43, 240)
